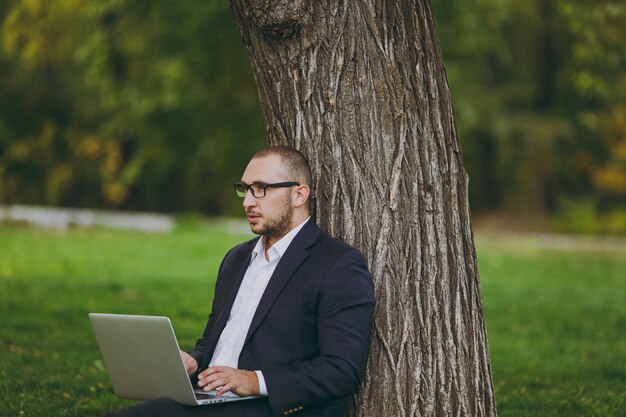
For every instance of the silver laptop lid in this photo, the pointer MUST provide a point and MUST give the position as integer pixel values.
(142, 357)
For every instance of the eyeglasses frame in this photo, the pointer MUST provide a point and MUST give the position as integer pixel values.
(263, 186)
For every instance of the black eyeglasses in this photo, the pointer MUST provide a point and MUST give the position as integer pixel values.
(259, 190)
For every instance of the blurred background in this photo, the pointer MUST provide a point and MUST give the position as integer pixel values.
(151, 106)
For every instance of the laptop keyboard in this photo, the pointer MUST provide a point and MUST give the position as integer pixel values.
(203, 395)
(200, 395)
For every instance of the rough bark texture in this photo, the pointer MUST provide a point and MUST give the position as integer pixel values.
(359, 86)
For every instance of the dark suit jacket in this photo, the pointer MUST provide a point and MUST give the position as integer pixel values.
(310, 335)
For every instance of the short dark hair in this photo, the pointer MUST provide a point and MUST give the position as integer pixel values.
(295, 162)
(296, 165)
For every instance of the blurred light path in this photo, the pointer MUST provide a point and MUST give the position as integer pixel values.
(63, 218)
(557, 241)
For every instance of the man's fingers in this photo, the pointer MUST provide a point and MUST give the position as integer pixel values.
(225, 379)
(213, 385)
(208, 375)
(211, 380)
(225, 389)
(212, 370)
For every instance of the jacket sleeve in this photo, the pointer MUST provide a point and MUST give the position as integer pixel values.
(344, 322)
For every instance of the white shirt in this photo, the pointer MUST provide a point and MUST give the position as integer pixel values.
(252, 287)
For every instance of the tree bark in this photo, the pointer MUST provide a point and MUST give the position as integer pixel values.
(360, 88)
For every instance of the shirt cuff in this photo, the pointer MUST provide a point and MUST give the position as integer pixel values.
(262, 386)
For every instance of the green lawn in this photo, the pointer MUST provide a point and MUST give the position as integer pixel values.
(556, 320)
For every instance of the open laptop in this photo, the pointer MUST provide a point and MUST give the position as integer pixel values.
(142, 357)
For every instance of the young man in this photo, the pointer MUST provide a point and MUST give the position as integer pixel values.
(292, 312)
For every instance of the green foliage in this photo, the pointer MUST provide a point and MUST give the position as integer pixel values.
(582, 217)
(124, 103)
(556, 320)
(151, 104)
(540, 96)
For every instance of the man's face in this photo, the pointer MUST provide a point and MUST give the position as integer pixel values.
(271, 215)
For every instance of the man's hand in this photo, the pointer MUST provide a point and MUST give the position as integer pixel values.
(190, 363)
(238, 381)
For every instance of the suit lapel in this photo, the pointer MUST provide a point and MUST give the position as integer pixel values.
(295, 254)
(241, 261)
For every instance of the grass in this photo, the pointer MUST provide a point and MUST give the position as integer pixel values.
(557, 329)
(50, 281)
(556, 320)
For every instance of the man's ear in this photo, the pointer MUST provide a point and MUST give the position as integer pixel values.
(300, 196)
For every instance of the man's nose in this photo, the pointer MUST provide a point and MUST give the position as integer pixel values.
(249, 200)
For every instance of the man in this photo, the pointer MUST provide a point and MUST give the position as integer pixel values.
(292, 311)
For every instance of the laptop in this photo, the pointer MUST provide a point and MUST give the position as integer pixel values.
(142, 357)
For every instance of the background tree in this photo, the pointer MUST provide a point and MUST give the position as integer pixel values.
(540, 92)
(124, 104)
(360, 87)
(150, 105)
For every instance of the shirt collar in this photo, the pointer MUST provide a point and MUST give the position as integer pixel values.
(279, 248)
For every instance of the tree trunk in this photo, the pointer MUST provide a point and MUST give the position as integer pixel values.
(360, 88)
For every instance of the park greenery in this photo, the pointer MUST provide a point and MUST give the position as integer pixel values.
(556, 319)
(151, 105)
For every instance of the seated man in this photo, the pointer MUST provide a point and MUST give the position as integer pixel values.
(292, 313)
